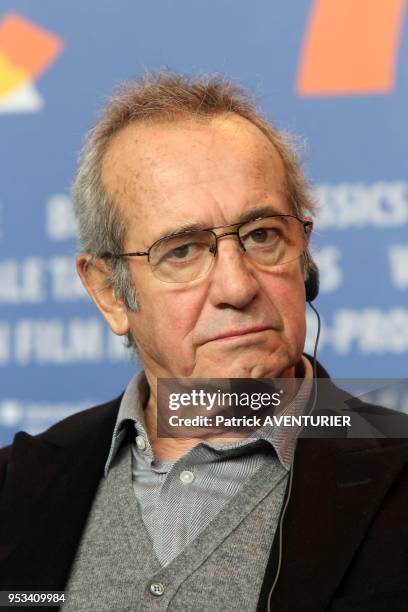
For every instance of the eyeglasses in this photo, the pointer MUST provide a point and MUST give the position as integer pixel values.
(189, 255)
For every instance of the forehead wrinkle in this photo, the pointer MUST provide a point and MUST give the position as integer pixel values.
(172, 183)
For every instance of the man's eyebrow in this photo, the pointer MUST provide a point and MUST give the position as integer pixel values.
(185, 227)
(248, 215)
(259, 211)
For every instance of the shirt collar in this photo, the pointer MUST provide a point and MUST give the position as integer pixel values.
(131, 410)
(136, 396)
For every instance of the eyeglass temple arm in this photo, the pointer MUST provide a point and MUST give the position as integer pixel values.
(117, 255)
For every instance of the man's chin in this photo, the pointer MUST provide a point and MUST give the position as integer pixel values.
(251, 369)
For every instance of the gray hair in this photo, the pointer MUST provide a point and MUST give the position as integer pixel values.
(164, 97)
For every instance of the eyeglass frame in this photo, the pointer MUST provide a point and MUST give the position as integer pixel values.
(306, 225)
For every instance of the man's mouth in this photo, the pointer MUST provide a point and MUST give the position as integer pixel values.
(243, 331)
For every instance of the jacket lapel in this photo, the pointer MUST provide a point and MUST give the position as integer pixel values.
(48, 491)
(334, 498)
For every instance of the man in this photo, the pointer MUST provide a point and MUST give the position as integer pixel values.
(194, 220)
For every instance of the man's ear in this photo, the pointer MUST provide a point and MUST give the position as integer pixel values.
(310, 228)
(95, 277)
(308, 263)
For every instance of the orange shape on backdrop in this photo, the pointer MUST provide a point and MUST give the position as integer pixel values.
(27, 46)
(350, 47)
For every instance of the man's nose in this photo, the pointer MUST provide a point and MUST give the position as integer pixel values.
(232, 279)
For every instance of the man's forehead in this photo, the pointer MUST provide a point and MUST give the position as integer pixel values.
(166, 169)
(143, 150)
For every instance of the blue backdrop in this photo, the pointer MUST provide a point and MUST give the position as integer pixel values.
(58, 63)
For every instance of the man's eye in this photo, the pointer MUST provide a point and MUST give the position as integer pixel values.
(188, 252)
(181, 252)
(262, 235)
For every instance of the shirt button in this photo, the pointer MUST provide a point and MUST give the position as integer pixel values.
(140, 443)
(157, 589)
(186, 477)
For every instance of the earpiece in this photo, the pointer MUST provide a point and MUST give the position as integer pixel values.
(312, 290)
(312, 283)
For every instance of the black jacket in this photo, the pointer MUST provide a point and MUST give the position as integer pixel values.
(345, 532)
